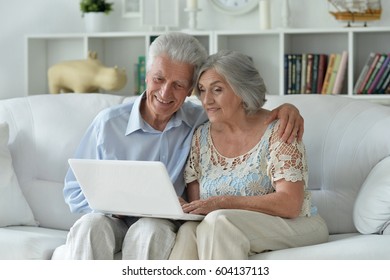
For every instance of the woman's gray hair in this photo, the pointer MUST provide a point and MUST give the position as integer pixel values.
(242, 76)
(179, 47)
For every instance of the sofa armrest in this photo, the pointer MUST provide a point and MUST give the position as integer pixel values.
(371, 212)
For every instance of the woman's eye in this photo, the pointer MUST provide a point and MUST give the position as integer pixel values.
(217, 90)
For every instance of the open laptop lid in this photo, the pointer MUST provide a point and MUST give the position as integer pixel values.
(131, 188)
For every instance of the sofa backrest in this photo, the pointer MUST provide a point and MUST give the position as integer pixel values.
(44, 132)
(344, 138)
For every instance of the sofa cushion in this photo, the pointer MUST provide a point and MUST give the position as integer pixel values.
(14, 209)
(351, 246)
(372, 206)
(29, 243)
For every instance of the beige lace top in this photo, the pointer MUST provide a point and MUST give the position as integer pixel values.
(253, 173)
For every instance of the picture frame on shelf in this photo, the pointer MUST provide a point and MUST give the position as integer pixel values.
(131, 8)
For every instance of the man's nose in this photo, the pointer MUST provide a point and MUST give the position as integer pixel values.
(165, 89)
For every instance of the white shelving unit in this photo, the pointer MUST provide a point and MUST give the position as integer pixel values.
(113, 49)
(267, 49)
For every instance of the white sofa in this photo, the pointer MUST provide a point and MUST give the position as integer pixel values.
(347, 141)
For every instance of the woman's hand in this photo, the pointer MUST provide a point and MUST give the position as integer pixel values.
(285, 202)
(291, 122)
(182, 201)
(204, 207)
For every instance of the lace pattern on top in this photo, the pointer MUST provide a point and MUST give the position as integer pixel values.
(253, 173)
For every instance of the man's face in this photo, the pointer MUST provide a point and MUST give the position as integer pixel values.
(168, 83)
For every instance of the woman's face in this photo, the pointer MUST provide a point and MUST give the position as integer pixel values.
(218, 98)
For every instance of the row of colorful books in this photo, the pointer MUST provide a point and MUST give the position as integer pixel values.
(375, 75)
(315, 73)
(140, 75)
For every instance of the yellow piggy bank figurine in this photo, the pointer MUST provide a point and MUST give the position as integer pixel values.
(85, 76)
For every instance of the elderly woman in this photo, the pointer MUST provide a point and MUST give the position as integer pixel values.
(249, 183)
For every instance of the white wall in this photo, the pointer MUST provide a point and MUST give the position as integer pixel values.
(19, 18)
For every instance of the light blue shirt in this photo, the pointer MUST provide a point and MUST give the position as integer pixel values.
(120, 133)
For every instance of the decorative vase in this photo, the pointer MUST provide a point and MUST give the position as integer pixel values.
(95, 22)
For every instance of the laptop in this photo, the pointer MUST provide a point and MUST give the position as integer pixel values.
(130, 188)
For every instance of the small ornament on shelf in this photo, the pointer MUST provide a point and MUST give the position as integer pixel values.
(265, 14)
(352, 11)
(192, 10)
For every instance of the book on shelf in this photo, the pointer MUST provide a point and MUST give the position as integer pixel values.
(309, 70)
(293, 73)
(322, 64)
(328, 73)
(285, 74)
(298, 72)
(383, 76)
(141, 74)
(289, 74)
(333, 74)
(373, 59)
(314, 73)
(303, 73)
(341, 72)
(363, 72)
(385, 86)
(374, 72)
(373, 88)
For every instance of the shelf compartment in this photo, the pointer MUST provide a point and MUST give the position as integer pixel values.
(263, 48)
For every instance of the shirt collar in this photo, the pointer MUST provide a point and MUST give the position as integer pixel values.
(136, 122)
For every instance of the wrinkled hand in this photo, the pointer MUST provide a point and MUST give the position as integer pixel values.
(182, 201)
(291, 122)
(202, 207)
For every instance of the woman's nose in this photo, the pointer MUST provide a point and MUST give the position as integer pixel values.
(207, 97)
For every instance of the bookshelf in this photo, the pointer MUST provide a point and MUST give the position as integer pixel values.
(267, 49)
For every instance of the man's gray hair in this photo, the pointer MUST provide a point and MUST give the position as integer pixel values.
(240, 73)
(179, 47)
